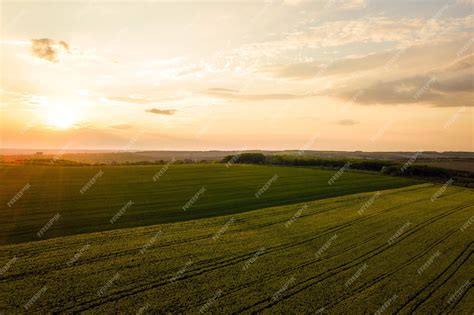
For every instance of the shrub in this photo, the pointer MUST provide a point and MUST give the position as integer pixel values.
(246, 158)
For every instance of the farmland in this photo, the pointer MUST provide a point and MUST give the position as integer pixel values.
(57, 201)
(237, 157)
(401, 250)
(453, 164)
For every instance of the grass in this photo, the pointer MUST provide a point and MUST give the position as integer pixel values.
(56, 190)
(259, 262)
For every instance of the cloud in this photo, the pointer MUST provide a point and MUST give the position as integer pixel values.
(418, 58)
(127, 99)
(222, 90)
(403, 32)
(230, 94)
(458, 83)
(435, 74)
(426, 75)
(141, 100)
(308, 70)
(64, 45)
(161, 111)
(48, 49)
(462, 63)
(347, 122)
(424, 89)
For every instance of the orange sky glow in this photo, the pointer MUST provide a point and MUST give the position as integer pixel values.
(233, 75)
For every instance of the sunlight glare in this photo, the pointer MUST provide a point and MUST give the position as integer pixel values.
(61, 116)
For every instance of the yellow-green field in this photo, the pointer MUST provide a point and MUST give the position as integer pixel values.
(362, 253)
(95, 199)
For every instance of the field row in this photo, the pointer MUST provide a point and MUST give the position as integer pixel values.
(396, 250)
(94, 199)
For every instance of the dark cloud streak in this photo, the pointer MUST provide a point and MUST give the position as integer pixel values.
(347, 122)
(167, 112)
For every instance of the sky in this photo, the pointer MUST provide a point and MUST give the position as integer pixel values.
(366, 75)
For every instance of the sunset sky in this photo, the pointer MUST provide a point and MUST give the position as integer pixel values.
(193, 75)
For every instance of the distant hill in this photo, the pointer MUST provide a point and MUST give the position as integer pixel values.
(103, 156)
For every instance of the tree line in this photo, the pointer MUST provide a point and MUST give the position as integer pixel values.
(394, 168)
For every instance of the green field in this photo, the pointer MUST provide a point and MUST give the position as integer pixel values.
(56, 190)
(329, 259)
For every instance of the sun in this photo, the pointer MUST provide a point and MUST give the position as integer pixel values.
(61, 117)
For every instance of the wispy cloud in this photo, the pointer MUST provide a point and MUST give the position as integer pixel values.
(462, 63)
(230, 94)
(142, 99)
(402, 32)
(426, 89)
(308, 70)
(128, 99)
(167, 112)
(347, 122)
(418, 58)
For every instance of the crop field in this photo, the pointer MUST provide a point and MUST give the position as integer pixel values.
(73, 200)
(401, 250)
(453, 164)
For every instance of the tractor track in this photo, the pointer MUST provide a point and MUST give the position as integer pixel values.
(234, 260)
(357, 261)
(457, 263)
